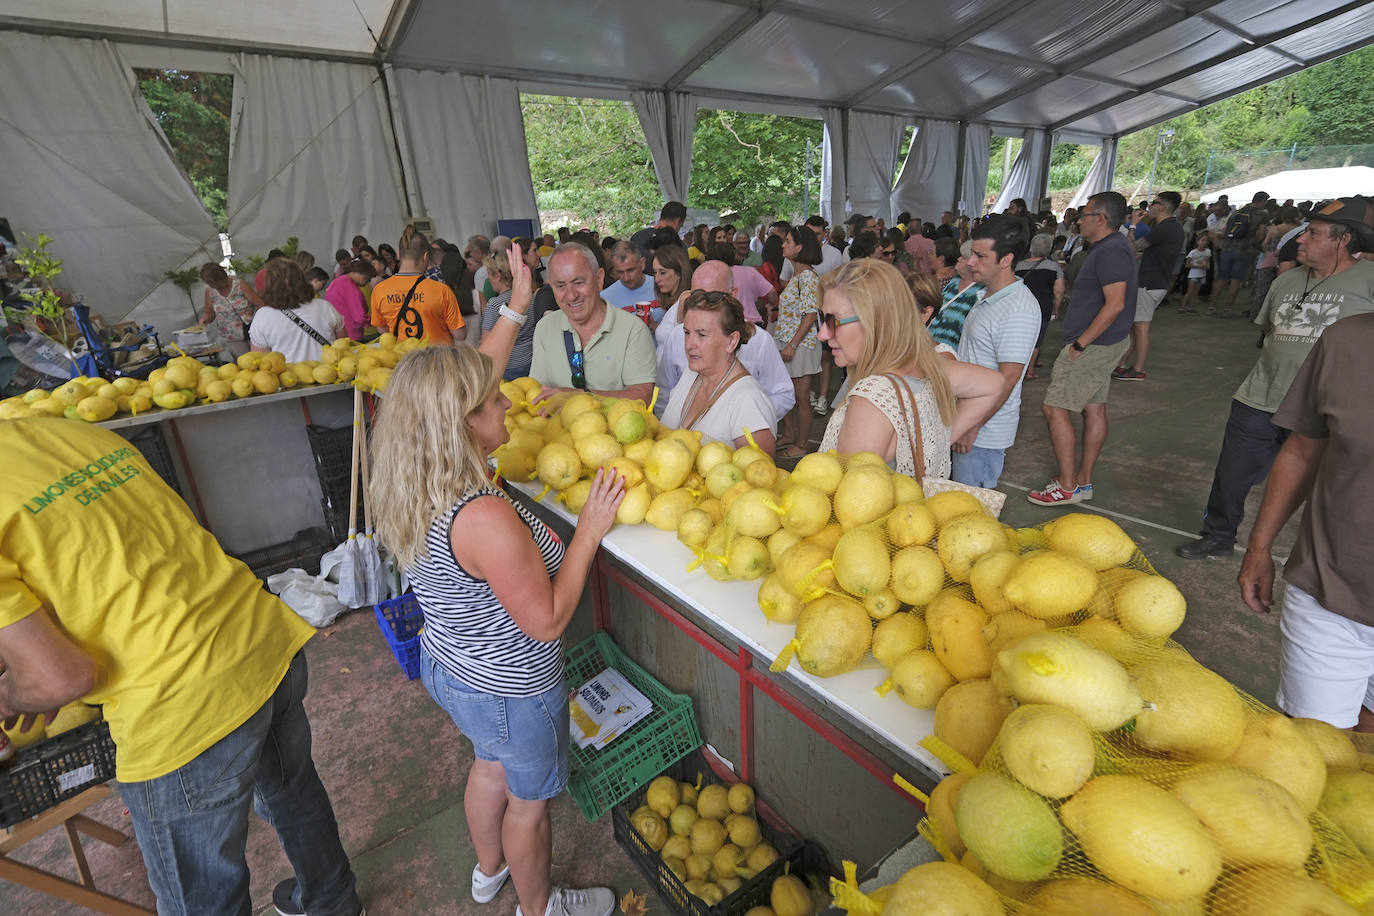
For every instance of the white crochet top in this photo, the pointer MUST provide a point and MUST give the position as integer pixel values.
(881, 394)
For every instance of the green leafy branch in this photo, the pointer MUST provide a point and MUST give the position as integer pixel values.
(42, 268)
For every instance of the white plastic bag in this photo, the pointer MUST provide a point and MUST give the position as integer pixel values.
(313, 597)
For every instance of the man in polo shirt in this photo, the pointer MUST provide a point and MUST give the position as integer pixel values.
(587, 345)
(1097, 326)
(1162, 245)
(999, 333)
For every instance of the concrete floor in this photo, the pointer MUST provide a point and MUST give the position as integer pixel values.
(395, 765)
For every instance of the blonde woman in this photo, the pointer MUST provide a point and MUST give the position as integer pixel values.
(497, 588)
(870, 320)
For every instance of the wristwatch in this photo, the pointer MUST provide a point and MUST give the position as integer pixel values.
(1077, 347)
(513, 315)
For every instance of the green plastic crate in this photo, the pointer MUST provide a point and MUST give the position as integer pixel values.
(601, 779)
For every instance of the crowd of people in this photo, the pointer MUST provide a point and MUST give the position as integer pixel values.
(936, 329)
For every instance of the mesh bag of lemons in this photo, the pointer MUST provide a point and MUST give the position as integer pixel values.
(1099, 771)
(186, 381)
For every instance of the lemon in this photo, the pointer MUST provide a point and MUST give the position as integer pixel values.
(777, 603)
(1141, 837)
(747, 558)
(1276, 890)
(1047, 749)
(1076, 896)
(1190, 713)
(1253, 821)
(1011, 830)
(631, 471)
(779, 542)
(1348, 799)
(956, 636)
(917, 575)
(827, 537)
(951, 504)
(761, 473)
(1335, 745)
(821, 470)
(558, 466)
(634, 506)
(96, 408)
(666, 509)
(1277, 749)
(896, 636)
(1109, 582)
(1008, 626)
(595, 449)
(1150, 606)
(805, 509)
(987, 577)
(861, 562)
(910, 523)
(1056, 668)
(586, 424)
(919, 679)
(882, 604)
(864, 495)
(753, 514)
(806, 571)
(906, 490)
(242, 385)
(217, 391)
(694, 527)
(629, 427)
(575, 496)
(722, 477)
(322, 374)
(833, 636)
(968, 717)
(577, 405)
(1049, 584)
(942, 889)
(715, 553)
(1094, 539)
(713, 454)
(265, 382)
(966, 538)
(668, 463)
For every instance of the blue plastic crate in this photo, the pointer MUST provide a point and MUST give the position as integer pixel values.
(400, 620)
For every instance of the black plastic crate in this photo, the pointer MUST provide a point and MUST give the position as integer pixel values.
(54, 770)
(332, 448)
(795, 855)
(303, 551)
(153, 444)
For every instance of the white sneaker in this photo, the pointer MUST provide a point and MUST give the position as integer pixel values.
(565, 901)
(485, 887)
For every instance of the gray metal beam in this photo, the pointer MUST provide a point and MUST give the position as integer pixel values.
(1170, 18)
(1264, 43)
(720, 41)
(398, 23)
(960, 41)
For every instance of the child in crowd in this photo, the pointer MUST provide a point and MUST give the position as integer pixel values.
(1199, 259)
(318, 279)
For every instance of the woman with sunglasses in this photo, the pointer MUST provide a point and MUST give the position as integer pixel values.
(872, 323)
(716, 395)
(498, 588)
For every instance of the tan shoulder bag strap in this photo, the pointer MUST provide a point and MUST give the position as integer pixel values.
(911, 420)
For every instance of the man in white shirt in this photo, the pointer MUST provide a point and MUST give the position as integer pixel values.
(999, 333)
(759, 355)
(632, 284)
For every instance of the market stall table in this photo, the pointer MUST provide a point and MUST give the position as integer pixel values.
(246, 464)
(879, 735)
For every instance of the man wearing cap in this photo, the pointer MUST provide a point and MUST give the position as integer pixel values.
(1330, 284)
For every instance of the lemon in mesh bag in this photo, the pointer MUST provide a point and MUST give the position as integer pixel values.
(1254, 821)
(942, 889)
(1056, 668)
(1097, 541)
(1079, 896)
(1190, 713)
(1048, 584)
(1274, 890)
(956, 636)
(1012, 831)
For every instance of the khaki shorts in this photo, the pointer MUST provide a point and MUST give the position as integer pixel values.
(1146, 301)
(1076, 383)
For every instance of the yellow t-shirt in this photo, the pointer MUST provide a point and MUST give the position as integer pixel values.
(188, 643)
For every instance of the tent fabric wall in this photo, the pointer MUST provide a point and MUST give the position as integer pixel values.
(669, 120)
(466, 140)
(834, 190)
(1100, 174)
(874, 141)
(926, 183)
(1027, 177)
(977, 152)
(86, 163)
(311, 155)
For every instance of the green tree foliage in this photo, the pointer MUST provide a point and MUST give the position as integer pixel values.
(588, 158)
(193, 110)
(753, 165)
(1336, 98)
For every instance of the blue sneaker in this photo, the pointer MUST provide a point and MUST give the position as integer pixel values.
(1084, 492)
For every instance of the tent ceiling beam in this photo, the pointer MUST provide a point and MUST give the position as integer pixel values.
(1244, 35)
(960, 41)
(398, 23)
(163, 40)
(1216, 60)
(1171, 17)
(720, 41)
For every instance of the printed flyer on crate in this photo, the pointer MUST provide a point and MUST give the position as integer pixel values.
(604, 707)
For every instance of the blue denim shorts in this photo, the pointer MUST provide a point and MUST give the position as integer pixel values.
(528, 736)
(1233, 265)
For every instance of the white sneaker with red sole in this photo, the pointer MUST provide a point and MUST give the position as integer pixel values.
(1055, 495)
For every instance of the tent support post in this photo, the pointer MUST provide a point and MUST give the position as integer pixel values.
(959, 169)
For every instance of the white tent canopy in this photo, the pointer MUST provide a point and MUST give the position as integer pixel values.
(388, 108)
(1302, 184)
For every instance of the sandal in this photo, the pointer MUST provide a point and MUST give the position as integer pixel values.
(792, 451)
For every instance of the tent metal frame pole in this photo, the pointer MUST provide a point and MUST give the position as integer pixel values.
(960, 147)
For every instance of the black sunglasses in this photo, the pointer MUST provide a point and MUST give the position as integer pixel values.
(579, 377)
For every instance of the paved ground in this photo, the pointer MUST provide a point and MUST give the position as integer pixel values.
(395, 765)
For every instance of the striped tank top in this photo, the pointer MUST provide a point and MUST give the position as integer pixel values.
(467, 631)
